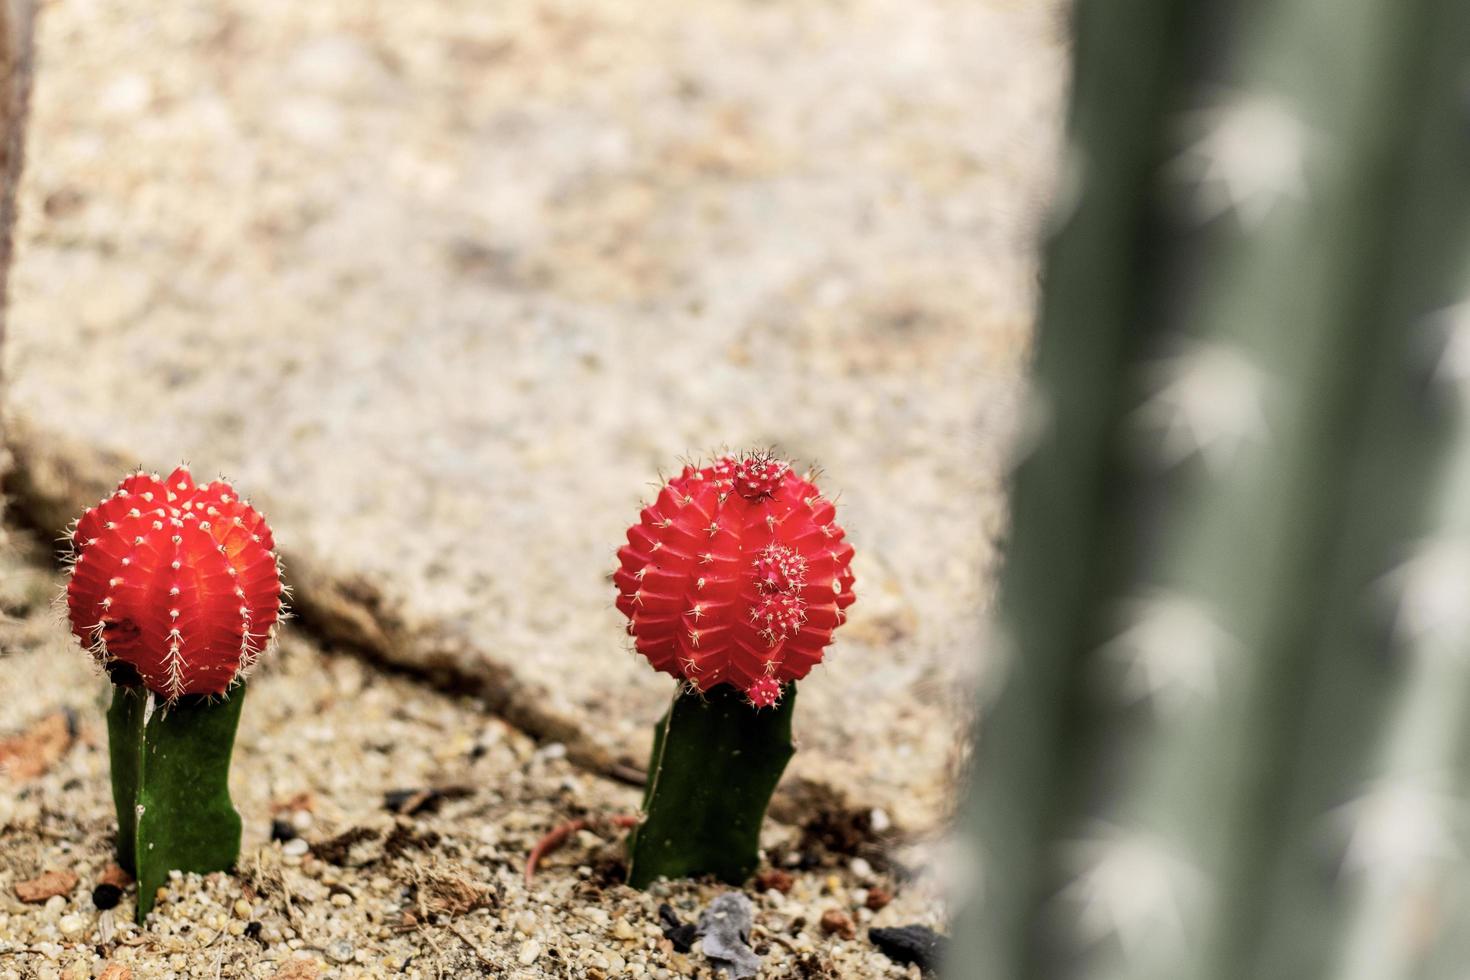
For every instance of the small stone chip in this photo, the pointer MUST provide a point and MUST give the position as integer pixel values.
(115, 971)
(878, 898)
(774, 879)
(725, 928)
(297, 969)
(836, 922)
(679, 933)
(51, 883)
(530, 949)
(106, 896)
(919, 945)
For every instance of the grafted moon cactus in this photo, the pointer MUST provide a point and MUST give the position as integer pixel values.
(176, 590)
(177, 581)
(737, 574)
(733, 582)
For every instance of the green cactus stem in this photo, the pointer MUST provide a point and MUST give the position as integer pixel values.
(716, 761)
(170, 782)
(1229, 733)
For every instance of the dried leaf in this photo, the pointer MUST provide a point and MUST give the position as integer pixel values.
(40, 889)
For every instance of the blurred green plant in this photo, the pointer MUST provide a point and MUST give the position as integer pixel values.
(1227, 730)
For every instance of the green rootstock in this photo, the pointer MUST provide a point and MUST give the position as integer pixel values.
(170, 782)
(716, 761)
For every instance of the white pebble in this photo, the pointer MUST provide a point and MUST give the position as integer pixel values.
(295, 847)
(530, 949)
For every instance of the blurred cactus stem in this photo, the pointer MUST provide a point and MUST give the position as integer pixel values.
(170, 782)
(1226, 733)
(716, 761)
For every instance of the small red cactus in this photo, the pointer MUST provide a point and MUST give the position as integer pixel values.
(737, 574)
(177, 581)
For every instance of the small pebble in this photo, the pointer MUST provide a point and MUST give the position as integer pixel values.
(526, 922)
(106, 896)
(835, 922)
(71, 925)
(774, 879)
(242, 909)
(530, 949)
(282, 830)
(295, 847)
(341, 951)
(861, 868)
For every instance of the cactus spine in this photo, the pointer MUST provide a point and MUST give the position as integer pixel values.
(1230, 733)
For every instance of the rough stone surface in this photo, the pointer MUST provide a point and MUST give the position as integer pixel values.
(443, 286)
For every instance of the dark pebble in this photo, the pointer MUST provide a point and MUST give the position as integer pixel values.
(282, 830)
(106, 896)
(680, 934)
(911, 944)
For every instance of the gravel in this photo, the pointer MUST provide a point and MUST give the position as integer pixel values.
(438, 894)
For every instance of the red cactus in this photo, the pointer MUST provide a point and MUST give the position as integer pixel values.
(737, 574)
(177, 581)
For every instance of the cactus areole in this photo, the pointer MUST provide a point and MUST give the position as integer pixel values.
(737, 574)
(733, 582)
(176, 591)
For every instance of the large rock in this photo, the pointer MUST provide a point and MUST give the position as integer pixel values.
(444, 287)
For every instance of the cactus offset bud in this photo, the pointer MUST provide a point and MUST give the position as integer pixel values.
(733, 581)
(177, 581)
(737, 574)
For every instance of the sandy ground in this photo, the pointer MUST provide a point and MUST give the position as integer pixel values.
(324, 740)
(446, 286)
